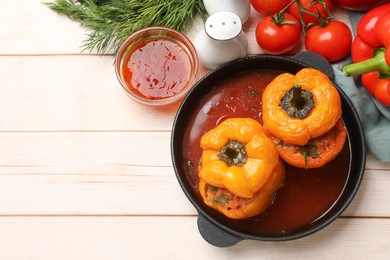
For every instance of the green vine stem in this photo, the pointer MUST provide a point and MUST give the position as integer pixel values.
(278, 18)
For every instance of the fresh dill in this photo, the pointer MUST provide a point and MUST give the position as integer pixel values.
(111, 21)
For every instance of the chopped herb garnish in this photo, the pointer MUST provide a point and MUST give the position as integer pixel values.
(309, 151)
(191, 168)
(252, 92)
(212, 188)
(251, 105)
(222, 199)
(188, 173)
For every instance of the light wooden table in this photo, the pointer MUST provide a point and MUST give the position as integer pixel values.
(86, 173)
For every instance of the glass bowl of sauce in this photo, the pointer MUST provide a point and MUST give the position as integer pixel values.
(157, 65)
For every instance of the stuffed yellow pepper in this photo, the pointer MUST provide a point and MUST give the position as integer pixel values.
(302, 113)
(240, 169)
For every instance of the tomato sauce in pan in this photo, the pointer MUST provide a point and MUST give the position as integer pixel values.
(306, 194)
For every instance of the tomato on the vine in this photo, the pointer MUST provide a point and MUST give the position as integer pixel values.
(333, 41)
(277, 35)
(268, 7)
(315, 8)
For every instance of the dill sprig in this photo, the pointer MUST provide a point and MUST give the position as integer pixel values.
(112, 21)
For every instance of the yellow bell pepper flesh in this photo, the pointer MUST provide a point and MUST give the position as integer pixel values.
(239, 208)
(323, 116)
(245, 180)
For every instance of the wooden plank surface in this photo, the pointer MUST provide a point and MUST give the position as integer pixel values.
(93, 173)
(71, 93)
(86, 173)
(178, 238)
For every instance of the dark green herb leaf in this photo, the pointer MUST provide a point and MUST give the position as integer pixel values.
(212, 188)
(191, 168)
(112, 21)
(252, 92)
(222, 199)
(251, 105)
(309, 151)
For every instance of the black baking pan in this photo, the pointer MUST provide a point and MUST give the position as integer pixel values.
(214, 227)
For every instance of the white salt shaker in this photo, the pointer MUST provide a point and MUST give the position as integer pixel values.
(221, 40)
(240, 7)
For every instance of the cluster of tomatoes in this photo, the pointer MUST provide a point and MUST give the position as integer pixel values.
(286, 22)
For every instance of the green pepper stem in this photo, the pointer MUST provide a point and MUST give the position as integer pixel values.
(233, 153)
(297, 102)
(377, 63)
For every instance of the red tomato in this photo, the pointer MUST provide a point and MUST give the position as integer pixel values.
(312, 8)
(359, 5)
(268, 7)
(332, 41)
(278, 39)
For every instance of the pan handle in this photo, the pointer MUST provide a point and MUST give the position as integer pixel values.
(215, 235)
(316, 61)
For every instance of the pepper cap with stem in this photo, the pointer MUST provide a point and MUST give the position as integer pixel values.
(233, 153)
(297, 102)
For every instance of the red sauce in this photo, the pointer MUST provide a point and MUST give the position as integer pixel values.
(157, 68)
(306, 194)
